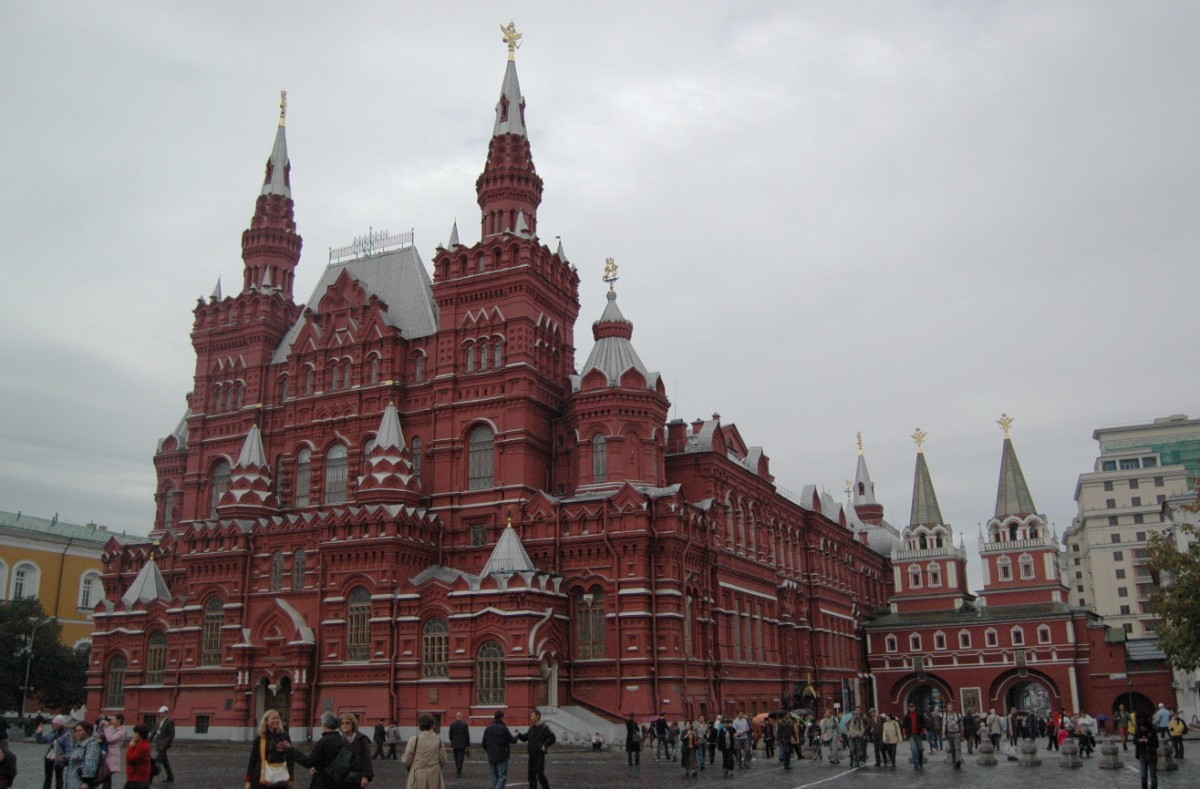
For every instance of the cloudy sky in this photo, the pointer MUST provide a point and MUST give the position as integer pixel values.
(829, 217)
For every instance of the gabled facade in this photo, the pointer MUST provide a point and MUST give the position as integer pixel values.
(403, 496)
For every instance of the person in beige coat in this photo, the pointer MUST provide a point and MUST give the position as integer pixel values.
(892, 735)
(425, 756)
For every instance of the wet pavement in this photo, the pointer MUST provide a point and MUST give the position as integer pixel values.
(214, 765)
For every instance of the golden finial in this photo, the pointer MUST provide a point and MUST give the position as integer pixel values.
(918, 438)
(283, 108)
(512, 38)
(858, 435)
(1005, 421)
(849, 488)
(610, 273)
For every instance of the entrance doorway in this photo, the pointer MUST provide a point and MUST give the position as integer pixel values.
(926, 697)
(273, 696)
(1029, 697)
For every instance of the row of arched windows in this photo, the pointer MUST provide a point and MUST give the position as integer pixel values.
(484, 354)
(340, 374)
(931, 577)
(228, 396)
(156, 667)
(991, 638)
(279, 572)
(26, 580)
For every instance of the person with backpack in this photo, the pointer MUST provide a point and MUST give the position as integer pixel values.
(57, 754)
(138, 761)
(952, 728)
(1175, 730)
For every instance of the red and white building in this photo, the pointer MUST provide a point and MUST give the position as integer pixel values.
(1019, 643)
(406, 496)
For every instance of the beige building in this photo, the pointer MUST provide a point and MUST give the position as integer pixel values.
(1120, 504)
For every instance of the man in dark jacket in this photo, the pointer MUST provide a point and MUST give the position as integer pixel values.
(540, 738)
(380, 739)
(460, 740)
(323, 753)
(497, 740)
(164, 738)
(915, 727)
(633, 741)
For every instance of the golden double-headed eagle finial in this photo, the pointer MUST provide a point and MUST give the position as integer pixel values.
(282, 107)
(1005, 421)
(858, 436)
(512, 38)
(918, 438)
(610, 273)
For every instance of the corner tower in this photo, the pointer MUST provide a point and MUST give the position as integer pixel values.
(1020, 555)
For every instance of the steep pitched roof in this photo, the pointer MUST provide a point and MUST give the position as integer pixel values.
(508, 556)
(148, 586)
(252, 449)
(925, 509)
(510, 108)
(1012, 493)
(613, 354)
(862, 480)
(277, 177)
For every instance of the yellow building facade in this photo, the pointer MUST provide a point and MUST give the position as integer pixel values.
(56, 562)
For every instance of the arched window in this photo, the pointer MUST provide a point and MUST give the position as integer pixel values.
(498, 352)
(483, 356)
(283, 388)
(347, 373)
(335, 474)
(589, 624)
(891, 644)
(914, 577)
(279, 484)
(600, 458)
(1004, 567)
(298, 569)
(418, 368)
(374, 369)
(480, 458)
(168, 508)
(214, 620)
(471, 358)
(1026, 564)
(358, 625)
(156, 658)
(277, 571)
(934, 573)
(1018, 637)
(310, 379)
(1043, 634)
(435, 648)
(220, 484)
(303, 476)
(114, 691)
(26, 580)
(964, 639)
(334, 380)
(89, 590)
(914, 642)
(939, 640)
(489, 673)
(416, 459)
(991, 638)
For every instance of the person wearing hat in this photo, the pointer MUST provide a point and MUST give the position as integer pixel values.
(164, 737)
(59, 751)
(497, 743)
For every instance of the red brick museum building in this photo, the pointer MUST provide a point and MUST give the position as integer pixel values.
(406, 495)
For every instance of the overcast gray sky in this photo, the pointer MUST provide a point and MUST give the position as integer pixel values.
(829, 217)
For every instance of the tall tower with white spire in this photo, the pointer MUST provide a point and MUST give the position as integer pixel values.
(862, 492)
(1020, 554)
(930, 573)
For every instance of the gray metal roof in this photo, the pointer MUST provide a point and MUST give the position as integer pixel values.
(510, 90)
(970, 614)
(1144, 649)
(1012, 494)
(398, 277)
(252, 449)
(508, 556)
(148, 586)
(180, 433)
(925, 509)
(613, 355)
(276, 180)
(863, 477)
(60, 530)
(390, 435)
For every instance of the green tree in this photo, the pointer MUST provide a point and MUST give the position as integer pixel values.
(57, 673)
(1176, 597)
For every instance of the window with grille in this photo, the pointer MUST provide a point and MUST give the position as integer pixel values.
(480, 458)
(489, 673)
(114, 695)
(600, 459)
(303, 477)
(358, 633)
(156, 658)
(298, 569)
(214, 620)
(335, 474)
(277, 571)
(589, 624)
(220, 484)
(88, 589)
(435, 648)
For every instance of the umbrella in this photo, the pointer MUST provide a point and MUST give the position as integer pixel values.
(760, 717)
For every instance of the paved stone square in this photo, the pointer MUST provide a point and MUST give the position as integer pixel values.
(215, 765)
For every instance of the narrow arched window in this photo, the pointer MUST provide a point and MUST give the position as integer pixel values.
(114, 691)
(471, 358)
(298, 569)
(435, 648)
(220, 484)
(600, 459)
(480, 458)
(283, 388)
(310, 380)
(483, 356)
(498, 351)
(358, 624)
(335, 474)
(277, 571)
(89, 590)
(334, 380)
(374, 369)
(416, 459)
(589, 624)
(1026, 563)
(419, 368)
(26, 580)
(156, 658)
(489, 673)
(303, 477)
(214, 620)
(168, 498)
(347, 373)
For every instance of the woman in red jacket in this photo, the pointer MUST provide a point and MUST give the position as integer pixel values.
(137, 759)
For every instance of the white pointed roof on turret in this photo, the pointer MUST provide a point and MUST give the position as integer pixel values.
(148, 586)
(252, 449)
(276, 180)
(613, 354)
(864, 488)
(522, 228)
(390, 435)
(560, 254)
(453, 244)
(509, 116)
(216, 294)
(509, 555)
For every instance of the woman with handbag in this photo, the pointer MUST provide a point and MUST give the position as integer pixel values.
(270, 765)
(83, 763)
(425, 756)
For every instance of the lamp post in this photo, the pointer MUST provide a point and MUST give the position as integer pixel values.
(29, 659)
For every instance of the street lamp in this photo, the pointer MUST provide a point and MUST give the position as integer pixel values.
(29, 658)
